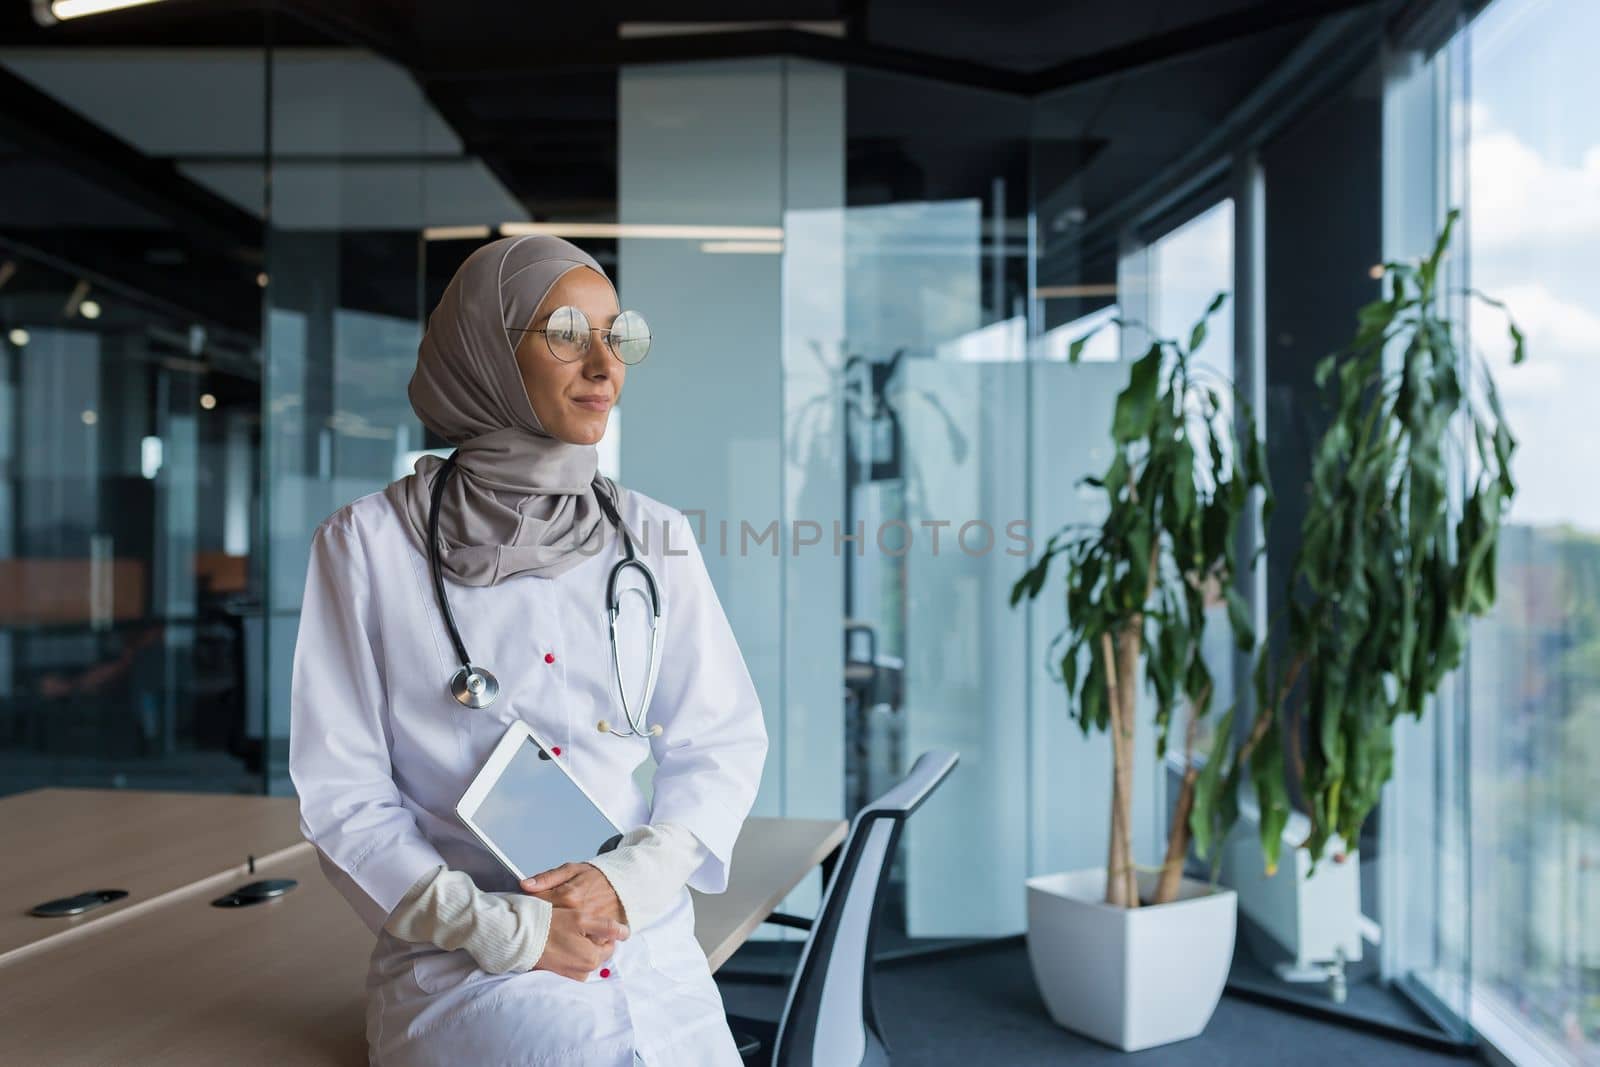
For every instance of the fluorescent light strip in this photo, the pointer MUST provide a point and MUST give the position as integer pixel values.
(1047, 292)
(454, 233)
(758, 247)
(650, 230)
(62, 10)
(638, 30)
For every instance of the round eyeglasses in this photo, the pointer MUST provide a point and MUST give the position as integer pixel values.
(566, 334)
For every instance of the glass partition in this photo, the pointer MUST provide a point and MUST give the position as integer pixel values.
(130, 391)
(364, 168)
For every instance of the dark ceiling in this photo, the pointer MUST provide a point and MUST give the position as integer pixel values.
(942, 98)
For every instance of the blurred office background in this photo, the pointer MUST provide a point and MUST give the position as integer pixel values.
(223, 224)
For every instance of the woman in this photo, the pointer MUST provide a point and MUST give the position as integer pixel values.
(594, 962)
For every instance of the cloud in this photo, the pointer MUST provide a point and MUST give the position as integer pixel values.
(1563, 340)
(1546, 398)
(1521, 197)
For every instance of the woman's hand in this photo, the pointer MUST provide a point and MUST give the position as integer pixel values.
(580, 886)
(578, 942)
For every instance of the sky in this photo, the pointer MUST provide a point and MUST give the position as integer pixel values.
(1533, 224)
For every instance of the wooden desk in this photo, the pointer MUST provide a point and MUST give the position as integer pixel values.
(284, 982)
(60, 842)
(769, 859)
(186, 983)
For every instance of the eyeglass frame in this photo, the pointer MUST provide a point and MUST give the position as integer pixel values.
(545, 330)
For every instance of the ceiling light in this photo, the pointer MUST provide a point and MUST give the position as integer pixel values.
(261, 280)
(208, 401)
(89, 417)
(46, 12)
(89, 309)
(767, 247)
(150, 456)
(1048, 292)
(663, 231)
(637, 30)
(455, 233)
(18, 337)
(75, 298)
(1375, 271)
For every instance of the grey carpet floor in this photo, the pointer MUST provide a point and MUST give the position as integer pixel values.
(982, 1007)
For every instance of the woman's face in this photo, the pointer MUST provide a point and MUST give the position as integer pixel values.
(573, 400)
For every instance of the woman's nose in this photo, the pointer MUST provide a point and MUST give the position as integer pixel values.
(597, 364)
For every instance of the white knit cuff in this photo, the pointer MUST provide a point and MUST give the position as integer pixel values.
(650, 868)
(500, 931)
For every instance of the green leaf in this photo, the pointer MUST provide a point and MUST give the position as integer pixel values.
(1518, 346)
(1032, 579)
(1324, 368)
(1069, 669)
(1244, 633)
(1092, 697)
(1197, 682)
(1430, 266)
(1136, 404)
(1272, 796)
(1183, 489)
(1116, 480)
(1138, 562)
(1203, 816)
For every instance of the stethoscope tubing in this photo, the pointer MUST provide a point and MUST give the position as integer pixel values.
(475, 687)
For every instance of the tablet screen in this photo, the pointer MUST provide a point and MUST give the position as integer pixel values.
(538, 817)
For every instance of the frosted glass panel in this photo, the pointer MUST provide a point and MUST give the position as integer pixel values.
(965, 648)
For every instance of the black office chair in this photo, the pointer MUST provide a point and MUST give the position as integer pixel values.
(842, 1030)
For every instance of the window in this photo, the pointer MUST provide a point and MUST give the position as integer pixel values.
(1533, 215)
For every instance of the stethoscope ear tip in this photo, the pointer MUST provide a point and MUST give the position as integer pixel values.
(605, 727)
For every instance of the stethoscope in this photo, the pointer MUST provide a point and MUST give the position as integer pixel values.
(476, 687)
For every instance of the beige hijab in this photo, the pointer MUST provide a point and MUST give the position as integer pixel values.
(521, 500)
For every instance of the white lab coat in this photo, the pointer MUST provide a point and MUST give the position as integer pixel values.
(380, 752)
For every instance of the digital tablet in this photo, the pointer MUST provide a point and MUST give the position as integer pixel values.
(528, 811)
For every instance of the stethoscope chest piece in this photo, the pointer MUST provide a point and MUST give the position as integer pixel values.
(474, 687)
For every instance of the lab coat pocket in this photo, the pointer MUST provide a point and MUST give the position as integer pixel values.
(670, 940)
(679, 959)
(436, 972)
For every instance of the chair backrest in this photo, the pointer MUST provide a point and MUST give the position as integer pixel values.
(830, 1019)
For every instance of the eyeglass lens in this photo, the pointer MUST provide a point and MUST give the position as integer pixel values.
(569, 334)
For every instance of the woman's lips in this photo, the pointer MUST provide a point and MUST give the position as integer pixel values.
(594, 403)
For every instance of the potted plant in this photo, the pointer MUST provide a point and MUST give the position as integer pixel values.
(1389, 568)
(1139, 958)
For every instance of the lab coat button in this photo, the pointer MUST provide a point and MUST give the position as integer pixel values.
(549, 657)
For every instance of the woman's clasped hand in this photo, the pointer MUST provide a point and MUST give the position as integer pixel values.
(586, 921)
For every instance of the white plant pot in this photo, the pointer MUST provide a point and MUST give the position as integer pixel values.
(1132, 978)
(1315, 918)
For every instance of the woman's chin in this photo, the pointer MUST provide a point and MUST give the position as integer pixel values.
(584, 430)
